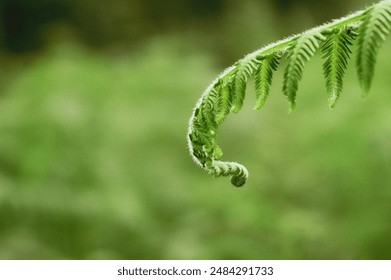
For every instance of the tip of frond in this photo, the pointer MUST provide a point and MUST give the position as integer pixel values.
(292, 107)
(365, 93)
(239, 179)
(332, 104)
(235, 109)
(365, 81)
(365, 90)
(259, 105)
(333, 99)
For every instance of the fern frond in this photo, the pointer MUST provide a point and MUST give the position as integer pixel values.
(227, 92)
(336, 51)
(263, 77)
(301, 51)
(372, 33)
(244, 70)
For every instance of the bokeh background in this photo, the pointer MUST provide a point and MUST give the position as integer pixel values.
(95, 98)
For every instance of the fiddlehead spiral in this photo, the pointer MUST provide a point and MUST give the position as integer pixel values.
(227, 92)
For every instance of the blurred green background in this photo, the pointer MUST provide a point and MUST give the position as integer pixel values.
(95, 98)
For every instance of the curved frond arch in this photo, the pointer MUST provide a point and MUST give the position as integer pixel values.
(368, 28)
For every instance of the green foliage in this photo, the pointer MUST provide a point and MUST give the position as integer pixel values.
(228, 91)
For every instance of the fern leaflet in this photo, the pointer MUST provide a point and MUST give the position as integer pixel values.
(224, 104)
(301, 51)
(372, 33)
(244, 70)
(337, 52)
(264, 76)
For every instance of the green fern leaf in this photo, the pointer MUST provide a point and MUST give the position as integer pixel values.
(224, 103)
(336, 51)
(263, 77)
(372, 33)
(244, 70)
(200, 124)
(301, 51)
(206, 110)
